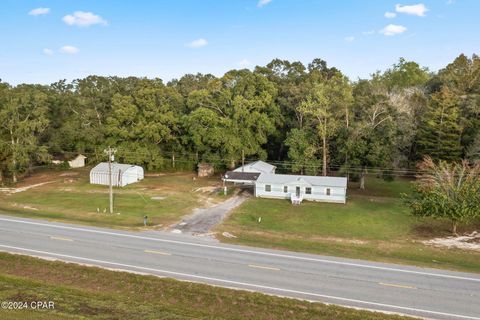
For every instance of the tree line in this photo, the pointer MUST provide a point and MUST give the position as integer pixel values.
(310, 118)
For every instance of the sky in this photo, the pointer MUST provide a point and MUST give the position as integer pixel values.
(43, 41)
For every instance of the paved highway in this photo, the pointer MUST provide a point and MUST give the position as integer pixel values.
(428, 293)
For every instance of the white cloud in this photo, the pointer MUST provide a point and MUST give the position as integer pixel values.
(48, 52)
(244, 63)
(416, 9)
(69, 49)
(368, 33)
(349, 39)
(449, 2)
(262, 3)
(83, 19)
(198, 43)
(390, 15)
(393, 29)
(39, 11)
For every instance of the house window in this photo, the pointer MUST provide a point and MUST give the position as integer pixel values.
(285, 189)
(268, 188)
(327, 191)
(308, 190)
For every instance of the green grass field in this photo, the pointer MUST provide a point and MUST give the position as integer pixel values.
(80, 292)
(373, 225)
(163, 198)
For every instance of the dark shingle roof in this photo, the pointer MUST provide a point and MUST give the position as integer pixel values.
(247, 176)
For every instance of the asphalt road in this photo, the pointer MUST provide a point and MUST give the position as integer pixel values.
(427, 293)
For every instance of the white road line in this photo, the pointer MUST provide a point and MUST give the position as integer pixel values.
(158, 252)
(396, 285)
(244, 284)
(60, 238)
(271, 254)
(263, 267)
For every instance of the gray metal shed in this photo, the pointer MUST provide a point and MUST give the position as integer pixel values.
(122, 174)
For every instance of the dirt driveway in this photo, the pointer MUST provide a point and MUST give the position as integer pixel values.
(202, 221)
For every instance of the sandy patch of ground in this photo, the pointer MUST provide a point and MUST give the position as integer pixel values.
(228, 235)
(339, 240)
(283, 236)
(69, 174)
(21, 189)
(17, 205)
(30, 208)
(154, 174)
(209, 189)
(466, 242)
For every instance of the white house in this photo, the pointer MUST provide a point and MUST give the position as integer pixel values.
(122, 174)
(299, 188)
(78, 162)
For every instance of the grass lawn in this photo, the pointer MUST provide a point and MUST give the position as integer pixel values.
(68, 196)
(373, 225)
(80, 292)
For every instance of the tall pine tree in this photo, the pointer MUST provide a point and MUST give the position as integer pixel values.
(440, 133)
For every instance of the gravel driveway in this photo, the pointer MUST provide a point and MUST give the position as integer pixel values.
(202, 221)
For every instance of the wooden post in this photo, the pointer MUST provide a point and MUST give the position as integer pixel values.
(243, 160)
(110, 153)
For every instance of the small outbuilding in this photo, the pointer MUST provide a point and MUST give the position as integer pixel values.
(77, 162)
(122, 174)
(205, 170)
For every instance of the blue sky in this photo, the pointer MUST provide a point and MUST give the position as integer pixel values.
(166, 39)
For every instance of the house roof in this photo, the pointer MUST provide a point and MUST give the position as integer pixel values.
(246, 176)
(310, 180)
(259, 166)
(102, 167)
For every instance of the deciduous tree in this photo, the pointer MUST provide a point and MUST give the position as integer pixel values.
(22, 118)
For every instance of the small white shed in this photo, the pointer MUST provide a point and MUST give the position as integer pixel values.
(299, 188)
(122, 174)
(78, 162)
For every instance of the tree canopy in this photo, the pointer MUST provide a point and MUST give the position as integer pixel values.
(306, 118)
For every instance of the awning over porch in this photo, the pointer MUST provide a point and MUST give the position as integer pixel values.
(241, 177)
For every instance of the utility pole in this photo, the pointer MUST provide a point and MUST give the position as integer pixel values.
(243, 159)
(111, 157)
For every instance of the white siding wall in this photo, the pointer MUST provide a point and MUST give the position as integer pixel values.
(102, 178)
(318, 192)
(132, 175)
(78, 162)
